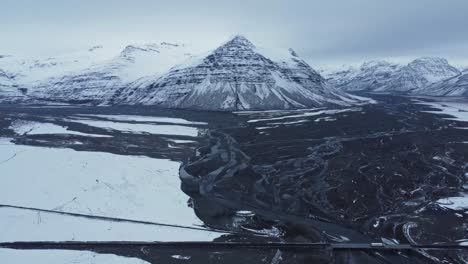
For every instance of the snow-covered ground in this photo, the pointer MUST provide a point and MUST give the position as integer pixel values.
(141, 128)
(12, 256)
(26, 225)
(93, 183)
(23, 127)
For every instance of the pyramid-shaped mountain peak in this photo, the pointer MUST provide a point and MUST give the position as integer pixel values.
(240, 40)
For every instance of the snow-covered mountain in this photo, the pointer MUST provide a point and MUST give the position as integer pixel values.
(386, 77)
(237, 76)
(454, 86)
(418, 74)
(30, 71)
(100, 81)
(370, 76)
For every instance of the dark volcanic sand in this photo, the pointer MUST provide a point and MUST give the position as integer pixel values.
(370, 174)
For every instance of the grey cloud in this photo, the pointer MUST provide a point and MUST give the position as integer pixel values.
(319, 30)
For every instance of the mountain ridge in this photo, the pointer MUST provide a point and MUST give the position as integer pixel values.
(236, 75)
(386, 77)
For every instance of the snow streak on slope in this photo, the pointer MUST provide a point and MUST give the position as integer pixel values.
(238, 76)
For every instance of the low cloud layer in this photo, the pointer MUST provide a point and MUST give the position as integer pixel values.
(322, 31)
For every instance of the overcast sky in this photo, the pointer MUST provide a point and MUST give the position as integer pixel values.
(322, 31)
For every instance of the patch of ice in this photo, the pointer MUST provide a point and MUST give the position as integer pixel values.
(290, 122)
(137, 118)
(305, 114)
(23, 127)
(390, 241)
(326, 119)
(15, 256)
(262, 128)
(141, 128)
(181, 257)
(57, 105)
(456, 109)
(455, 203)
(274, 111)
(272, 232)
(245, 213)
(180, 141)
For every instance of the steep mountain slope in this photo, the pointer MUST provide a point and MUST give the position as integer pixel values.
(237, 76)
(100, 81)
(455, 86)
(385, 77)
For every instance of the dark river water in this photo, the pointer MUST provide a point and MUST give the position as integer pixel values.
(367, 174)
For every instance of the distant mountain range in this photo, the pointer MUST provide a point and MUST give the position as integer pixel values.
(235, 76)
(422, 76)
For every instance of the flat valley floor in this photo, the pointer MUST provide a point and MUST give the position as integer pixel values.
(394, 172)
